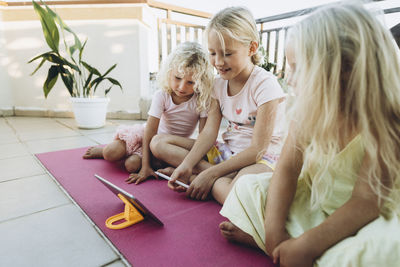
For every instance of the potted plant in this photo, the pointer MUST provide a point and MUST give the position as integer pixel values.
(79, 77)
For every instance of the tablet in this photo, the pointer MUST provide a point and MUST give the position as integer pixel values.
(135, 202)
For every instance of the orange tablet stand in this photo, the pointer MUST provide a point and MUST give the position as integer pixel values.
(130, 216)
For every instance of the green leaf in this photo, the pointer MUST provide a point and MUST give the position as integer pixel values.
(113, 81)
(109, 70)
(38, 67)
(81, 50)
(93, 84)
(68, 79)
(107, 90)
(56, 59)
(39, 56)
(49, 27)
(77, 43)
(96, 82)
(71, 65)
(50, 80)
(72, 50)
(77, 46)
(86, 88)
(91, 69)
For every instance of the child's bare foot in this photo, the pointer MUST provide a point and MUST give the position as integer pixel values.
(234, 234)
(167, 171)
(157, 164)
(94, 152)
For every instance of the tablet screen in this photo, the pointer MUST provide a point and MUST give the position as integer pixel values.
(135, 202)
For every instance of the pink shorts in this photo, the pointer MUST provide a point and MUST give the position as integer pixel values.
(132, 135)
(220, 152)
(273, 153)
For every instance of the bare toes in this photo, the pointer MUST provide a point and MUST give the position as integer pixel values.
(167, 171)
(93, 152)
(234, 234)
(227, 229)
(226, 226)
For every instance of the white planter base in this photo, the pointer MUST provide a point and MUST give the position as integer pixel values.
(90, 113)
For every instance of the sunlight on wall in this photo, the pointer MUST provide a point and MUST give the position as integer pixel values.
(117, 33)
(24, 43)
(117, 48)
(14, 70)
(4, 61)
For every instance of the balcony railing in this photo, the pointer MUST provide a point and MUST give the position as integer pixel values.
(273, 37)
(171, 31)
(131, 36)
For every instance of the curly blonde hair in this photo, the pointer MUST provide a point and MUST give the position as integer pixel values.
(348, 76)
(237, 23)
(189, 57)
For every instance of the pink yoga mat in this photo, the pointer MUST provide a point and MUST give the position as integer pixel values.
(190, 235)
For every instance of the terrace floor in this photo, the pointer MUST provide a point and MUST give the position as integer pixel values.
(39, 224)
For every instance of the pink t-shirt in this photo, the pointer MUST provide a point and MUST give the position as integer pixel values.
(175, 119)
(240, 110)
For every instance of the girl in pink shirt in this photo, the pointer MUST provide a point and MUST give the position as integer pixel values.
(248, 97)
(186, 80)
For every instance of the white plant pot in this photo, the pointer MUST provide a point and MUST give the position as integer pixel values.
(90, 113)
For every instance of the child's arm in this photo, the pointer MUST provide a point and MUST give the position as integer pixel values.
(266, 113)
(358, 211)
(146, 170)
(202, 123)
(281, 192)
(202, 145)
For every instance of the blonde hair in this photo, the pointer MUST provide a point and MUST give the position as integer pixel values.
(348, 77)
(236, 23)
(189, 57)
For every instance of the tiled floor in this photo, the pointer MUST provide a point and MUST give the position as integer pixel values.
(39, 224)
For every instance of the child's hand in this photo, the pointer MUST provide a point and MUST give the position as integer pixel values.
(292, 253)
(183, 173)
(201, 186)
(141, 176)
(273, 237)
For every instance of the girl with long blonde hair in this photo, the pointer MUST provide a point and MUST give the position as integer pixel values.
(334, 199)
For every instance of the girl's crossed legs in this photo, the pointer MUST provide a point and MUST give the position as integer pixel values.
(173, 149)
(115, 151)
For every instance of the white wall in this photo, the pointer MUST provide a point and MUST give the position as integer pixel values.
(6, 97)
(125, 41)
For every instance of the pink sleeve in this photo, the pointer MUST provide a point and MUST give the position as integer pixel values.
(158, 104)
(267, 89)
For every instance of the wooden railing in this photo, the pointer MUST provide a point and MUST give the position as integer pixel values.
(274, 38)
(170, 31)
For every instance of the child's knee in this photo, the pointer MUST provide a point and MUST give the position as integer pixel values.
(113, 153)
(133, 163)
(157, 143)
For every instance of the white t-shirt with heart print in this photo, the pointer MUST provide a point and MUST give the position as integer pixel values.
(240, 110)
